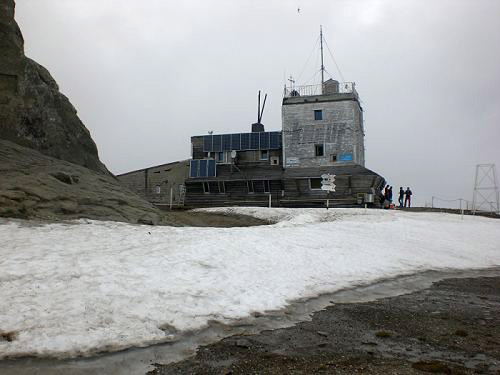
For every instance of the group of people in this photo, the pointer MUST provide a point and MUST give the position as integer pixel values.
(404, 195)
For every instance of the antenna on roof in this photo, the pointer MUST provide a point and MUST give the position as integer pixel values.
(258, 126)
(262, 109)
(321, 45)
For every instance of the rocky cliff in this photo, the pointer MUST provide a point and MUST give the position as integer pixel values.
(49, 165)
(33, 113)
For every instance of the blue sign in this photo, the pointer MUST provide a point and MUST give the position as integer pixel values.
(345, 157)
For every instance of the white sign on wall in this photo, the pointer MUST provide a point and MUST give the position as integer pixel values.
(290, 162)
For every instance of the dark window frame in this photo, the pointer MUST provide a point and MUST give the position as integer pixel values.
(318, 148)
(267, 187)
(206, 187)
(250, 187)
(318, 114)
(315, 185)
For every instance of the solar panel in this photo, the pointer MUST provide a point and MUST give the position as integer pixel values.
(203, 168)
(193, 169)
(226, 142)
(235, 141)
(207, 143)
(245, 141)
(254, 141)
(264, 141)
(211, 168)
(274, 141)
(216, 143)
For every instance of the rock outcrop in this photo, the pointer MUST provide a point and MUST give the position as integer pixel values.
(49, 165)
(33, 113)
(36, 186)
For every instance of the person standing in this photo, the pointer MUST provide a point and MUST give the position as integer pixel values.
(401, 196)
(408, 194)
(390, 194)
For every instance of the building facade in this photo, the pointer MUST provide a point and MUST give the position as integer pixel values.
(324, 129)
(322, 133)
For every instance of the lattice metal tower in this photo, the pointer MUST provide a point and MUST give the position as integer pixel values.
(485, 196)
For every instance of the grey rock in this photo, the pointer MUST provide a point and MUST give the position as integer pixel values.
(242, 343)
(33, 113)
(36, 186)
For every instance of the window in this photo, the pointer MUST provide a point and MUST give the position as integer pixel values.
(275, 160)
(220, 157)
(319, 150)
(267, 187)
(206, 188)
(315, 183)
(333, 157)
(318, 114)
(264, 154)
(158, 189)
(250, 187)
(222, 187)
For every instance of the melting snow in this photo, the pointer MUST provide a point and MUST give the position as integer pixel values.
(77, 288)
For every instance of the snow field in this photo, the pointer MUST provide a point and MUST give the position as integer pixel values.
(88, 286)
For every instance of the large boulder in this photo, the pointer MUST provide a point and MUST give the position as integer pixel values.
(33, 113)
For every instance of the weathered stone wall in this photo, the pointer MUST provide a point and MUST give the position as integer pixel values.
(340, 131)
(154, 183)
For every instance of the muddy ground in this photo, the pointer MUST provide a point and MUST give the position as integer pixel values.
(217, 220)
(451, 328)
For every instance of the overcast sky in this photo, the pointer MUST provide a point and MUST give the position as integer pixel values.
(146, 75)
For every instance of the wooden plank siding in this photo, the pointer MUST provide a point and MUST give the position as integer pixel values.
(288, 188)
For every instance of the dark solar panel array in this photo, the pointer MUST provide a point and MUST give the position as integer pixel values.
(202, 168)
(235, 141)
(242, 141)
(226, 142)
(245, 141)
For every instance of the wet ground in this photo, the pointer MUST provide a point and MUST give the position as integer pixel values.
(452, 327)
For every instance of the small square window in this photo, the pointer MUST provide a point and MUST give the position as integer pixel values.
(264, 154)
(318, 114)
(333, 157)
(319, 150)
(315, 183)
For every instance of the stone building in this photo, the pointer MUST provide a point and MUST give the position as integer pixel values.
(324, 129)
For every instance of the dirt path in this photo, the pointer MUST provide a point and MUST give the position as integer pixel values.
(451, 328)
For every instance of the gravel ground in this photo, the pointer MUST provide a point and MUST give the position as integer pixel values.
(451, 328)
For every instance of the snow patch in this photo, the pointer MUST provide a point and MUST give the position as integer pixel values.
(77, 288)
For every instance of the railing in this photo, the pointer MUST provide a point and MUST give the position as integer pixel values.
(328, 89)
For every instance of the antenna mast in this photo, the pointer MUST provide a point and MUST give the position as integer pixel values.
(322, 66)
